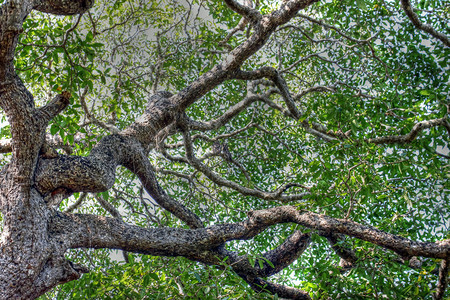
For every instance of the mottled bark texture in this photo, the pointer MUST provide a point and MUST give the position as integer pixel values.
(36, 236)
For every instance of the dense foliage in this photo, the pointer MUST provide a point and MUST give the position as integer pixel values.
(360, 76)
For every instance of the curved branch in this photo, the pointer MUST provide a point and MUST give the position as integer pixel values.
(265, 27)
(247, 12)
(196, 163)
(281, 257)
(201, 244)
(278, 80)
(96, 173)
(100, 232)
(139, 164)
(283, 90)
(323, 223)
(408, 138)
(409, 10)
(261, 285)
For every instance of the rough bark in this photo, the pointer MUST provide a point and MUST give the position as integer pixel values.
(32, 259)
(35, 236)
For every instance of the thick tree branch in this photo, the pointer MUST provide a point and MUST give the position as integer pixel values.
(202, 245)
(99, 232)
(409, 10)
(249, 13)
(288, 10)
(94, 173)
(12, 14)
(398, 244)
(63, 7)
(265, 27)
(54, 107)
(57, 270)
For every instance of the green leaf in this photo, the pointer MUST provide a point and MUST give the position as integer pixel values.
(54, 129)
(199, 279)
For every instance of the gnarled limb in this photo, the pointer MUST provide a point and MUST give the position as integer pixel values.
(398, 244)
(54, 107)
(100, 232)
(199, 244)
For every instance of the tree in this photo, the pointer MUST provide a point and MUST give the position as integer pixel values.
(316, 132)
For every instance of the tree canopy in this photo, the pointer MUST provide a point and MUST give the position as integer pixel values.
(224, 149)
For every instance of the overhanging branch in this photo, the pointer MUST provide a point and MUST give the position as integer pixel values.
(409, 10)
(100, 232)
(63, 7)
(408, 138)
